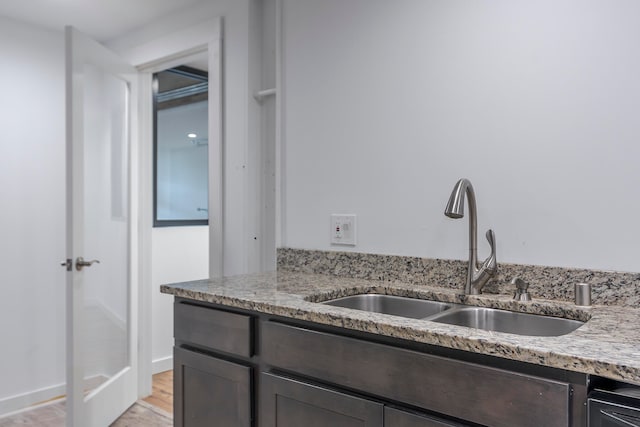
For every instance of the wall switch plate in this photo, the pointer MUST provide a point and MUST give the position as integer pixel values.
(343, 230)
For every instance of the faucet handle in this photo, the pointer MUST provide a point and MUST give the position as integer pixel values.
(491, 237)
(490, 263)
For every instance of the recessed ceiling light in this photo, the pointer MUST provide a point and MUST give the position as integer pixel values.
(192, 135)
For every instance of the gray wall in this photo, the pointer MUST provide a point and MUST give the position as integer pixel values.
(387, 104)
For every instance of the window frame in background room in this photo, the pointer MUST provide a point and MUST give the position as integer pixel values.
(194, 73)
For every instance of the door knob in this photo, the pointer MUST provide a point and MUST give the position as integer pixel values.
(81, 263)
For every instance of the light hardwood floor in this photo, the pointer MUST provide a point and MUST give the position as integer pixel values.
(153, 411)
(162, 396)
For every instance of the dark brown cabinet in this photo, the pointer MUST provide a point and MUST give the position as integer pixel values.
(290, 403)
(453, 388)
(210, 391)
(398, 418)
(240, 368)
(216, 330)
(213, 376)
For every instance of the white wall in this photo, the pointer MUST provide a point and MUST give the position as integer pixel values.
(179, 254)
(387, 104)
(32, 224)
(241, 119)
(32, 195)
(267, 213)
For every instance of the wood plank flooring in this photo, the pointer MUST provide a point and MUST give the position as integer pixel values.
(153, 411)
(54, 415)
(162, 395)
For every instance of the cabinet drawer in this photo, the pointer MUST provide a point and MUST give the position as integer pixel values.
(214, 329)
(463, 390)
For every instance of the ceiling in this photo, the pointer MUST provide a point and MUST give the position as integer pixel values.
(101, 19)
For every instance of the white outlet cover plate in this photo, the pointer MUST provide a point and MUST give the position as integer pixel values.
(343, 229)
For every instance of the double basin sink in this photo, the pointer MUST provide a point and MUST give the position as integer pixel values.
(489, 319)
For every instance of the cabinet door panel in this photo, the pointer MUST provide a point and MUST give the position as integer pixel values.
(290, 403)
(397, 418)
(210, 391)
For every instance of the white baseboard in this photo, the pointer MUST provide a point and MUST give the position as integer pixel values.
(161, 365)
(20, 402)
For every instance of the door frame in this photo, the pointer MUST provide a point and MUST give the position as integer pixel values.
(170, 50)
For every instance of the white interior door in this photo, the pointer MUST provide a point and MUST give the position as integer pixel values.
(101, 302)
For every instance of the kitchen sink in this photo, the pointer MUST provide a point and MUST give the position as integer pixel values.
(491, 319)
(488, 319)
(389, 304)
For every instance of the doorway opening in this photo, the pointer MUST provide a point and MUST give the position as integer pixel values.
(180, 231)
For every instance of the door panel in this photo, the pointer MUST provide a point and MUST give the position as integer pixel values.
(105, 336)
(101, 327)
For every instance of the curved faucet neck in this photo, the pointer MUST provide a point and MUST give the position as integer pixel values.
(455, 209)
(473, 234)
(476, 276)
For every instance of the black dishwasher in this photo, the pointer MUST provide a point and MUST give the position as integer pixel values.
(618, 406)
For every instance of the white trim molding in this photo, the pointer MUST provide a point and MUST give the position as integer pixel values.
(163, 364)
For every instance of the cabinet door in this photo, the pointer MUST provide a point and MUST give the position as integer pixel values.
(397, 418)
(290, 403)
(209, 391)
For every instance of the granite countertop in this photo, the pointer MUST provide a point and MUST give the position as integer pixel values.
(607, 345)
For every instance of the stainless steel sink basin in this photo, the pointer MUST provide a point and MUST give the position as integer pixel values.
(389, 304)
(488, 319)
(511, 322)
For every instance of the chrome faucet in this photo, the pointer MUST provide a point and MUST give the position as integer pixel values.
(476, 277)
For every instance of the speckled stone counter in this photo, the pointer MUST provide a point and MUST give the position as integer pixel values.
(607, 345)
(556, 283)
